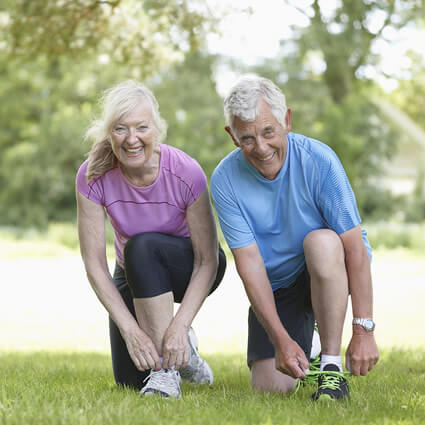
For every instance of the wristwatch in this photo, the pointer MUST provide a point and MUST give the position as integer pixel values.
(366, 324)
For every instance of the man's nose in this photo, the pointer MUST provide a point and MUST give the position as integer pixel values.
(261, 145)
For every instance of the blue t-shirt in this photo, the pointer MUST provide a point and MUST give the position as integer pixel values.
(310, 192)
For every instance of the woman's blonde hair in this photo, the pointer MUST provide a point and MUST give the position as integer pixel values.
(117, 102)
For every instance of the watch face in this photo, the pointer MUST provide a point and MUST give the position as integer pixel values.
(369, 325)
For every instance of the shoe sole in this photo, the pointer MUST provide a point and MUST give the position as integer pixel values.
(325, 398)
(160, 394)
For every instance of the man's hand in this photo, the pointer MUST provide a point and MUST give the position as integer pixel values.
(291, 360)
(362, 354)
(175, 347)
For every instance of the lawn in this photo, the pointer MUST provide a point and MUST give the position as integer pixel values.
(77, 388)
(55, 366)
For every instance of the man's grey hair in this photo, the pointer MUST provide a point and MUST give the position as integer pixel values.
(243, 97)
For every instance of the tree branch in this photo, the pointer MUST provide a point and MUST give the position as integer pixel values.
(299, 9)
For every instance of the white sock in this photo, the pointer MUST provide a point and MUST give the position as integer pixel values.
(326, 359)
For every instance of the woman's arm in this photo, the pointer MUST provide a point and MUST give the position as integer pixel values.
(203, 234)
(91, 231)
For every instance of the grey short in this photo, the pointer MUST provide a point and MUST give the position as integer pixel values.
(294, 308)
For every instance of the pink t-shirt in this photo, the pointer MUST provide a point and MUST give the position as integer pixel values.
(160, 207)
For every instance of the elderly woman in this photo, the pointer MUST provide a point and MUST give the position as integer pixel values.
(156, 198)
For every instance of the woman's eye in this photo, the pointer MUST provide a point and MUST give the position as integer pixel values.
(141, 128)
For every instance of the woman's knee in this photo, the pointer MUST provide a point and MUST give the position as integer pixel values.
(143, 265)
(140, 245)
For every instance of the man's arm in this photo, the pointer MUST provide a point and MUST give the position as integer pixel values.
(290, 358)
(362, 352)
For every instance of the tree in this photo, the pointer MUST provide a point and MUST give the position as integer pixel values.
(410, 94)
(194, 111)
(344, 36)
(45, 107)
(56, 57)
(147, 34)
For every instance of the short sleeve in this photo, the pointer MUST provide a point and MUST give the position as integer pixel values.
(189, 173)
(336, 197)
(233, 225)
(92, 190)
(195, 185)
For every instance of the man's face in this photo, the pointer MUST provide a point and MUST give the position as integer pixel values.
(263, 141)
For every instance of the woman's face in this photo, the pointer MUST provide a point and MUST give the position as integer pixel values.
(133, 137)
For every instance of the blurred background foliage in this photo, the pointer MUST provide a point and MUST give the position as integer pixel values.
(56, 57)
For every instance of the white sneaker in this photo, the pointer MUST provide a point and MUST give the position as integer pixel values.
(165, 383)
(197, 371)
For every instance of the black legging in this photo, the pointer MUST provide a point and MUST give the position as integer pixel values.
(155, 263)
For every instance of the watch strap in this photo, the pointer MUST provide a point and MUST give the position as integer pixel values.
(366, 323)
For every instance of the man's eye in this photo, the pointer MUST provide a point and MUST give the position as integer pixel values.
(142, 128)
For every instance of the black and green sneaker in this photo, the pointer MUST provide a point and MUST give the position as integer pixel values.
(331, 385)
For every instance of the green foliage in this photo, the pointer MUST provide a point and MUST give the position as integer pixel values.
(410, 95)
(147, 34)
(194, 111)
(392, 235)
(343, 37)
(78, 388)
(46, 107)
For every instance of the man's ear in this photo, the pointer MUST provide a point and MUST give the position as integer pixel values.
(229, 131)
(288, 120)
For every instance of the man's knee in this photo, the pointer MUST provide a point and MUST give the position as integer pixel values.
(322, 239)
(265, 377)
(323, 244)
(324, 252)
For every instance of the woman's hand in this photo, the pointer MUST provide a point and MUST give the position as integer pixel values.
(142, 350)
(175, 347)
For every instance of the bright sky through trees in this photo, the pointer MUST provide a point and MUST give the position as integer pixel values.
(256, 31)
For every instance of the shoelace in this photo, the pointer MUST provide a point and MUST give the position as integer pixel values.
(312, 374)
(330, 379)
(159, 380)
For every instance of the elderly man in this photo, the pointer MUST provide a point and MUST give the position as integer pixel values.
(289, 216)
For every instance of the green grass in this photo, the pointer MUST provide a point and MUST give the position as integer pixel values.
(56, 388)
